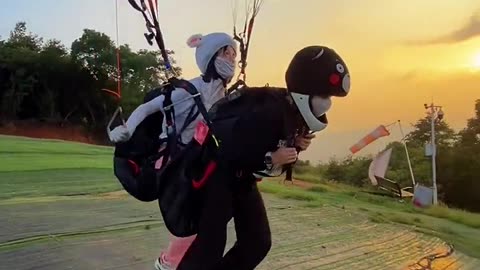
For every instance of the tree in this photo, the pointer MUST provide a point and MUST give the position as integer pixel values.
(96, 52)
(141, 72)
(54, 47)
(471, 134)
(334, 170)
(352, 171)
(458, 168)
(52, 64)
(444, 135)
(356, 170)
(19, 38)
(458, 174)
(18, 78)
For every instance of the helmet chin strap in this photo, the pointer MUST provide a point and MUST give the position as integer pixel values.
(302, 103)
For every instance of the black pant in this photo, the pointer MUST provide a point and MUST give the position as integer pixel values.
(228, 197)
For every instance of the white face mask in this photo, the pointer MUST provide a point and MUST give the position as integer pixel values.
(320, 105)
(225, 68)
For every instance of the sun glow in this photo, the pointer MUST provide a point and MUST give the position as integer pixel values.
(476, 61)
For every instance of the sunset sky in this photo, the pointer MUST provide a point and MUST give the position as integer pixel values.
(401, 54)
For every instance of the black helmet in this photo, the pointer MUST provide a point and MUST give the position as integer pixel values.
(315, 74)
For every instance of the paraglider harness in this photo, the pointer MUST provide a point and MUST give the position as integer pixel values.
(138, 161)
(152, 168)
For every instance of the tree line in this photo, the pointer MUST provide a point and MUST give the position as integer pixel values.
(458, 163)
(46, 81)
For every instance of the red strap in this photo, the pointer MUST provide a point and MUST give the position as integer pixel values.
(208, 172)
(134, 166)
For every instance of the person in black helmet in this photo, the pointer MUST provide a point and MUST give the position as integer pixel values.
(259, 130)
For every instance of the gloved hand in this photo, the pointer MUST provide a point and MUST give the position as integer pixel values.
(119, 134)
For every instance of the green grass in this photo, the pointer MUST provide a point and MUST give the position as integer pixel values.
(294, 193)
(35, 168)
(56, 182)
(28, 145)
(459, 216)
(19, 154)
(310, 177)
(451, 225)
(41, 168)
(466, 239)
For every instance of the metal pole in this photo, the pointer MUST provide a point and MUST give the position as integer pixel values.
(434, 154)
(406, 151)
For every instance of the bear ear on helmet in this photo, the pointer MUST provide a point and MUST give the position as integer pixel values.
(315, 74)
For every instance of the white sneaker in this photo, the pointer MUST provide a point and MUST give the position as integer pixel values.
(161, 265)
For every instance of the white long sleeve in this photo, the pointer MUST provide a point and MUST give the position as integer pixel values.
(142, 111)
(210, 92)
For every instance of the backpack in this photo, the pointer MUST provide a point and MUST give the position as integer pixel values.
(135, 161)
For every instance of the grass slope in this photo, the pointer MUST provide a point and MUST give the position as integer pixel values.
(37, 168)
(454, 226)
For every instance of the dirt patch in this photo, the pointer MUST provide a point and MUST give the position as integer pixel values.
(297, 183)
(440, 258)
(319, 238)
(113, 195)
(302, 184)
(47, 130)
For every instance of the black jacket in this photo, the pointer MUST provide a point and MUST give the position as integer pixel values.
(249, 126)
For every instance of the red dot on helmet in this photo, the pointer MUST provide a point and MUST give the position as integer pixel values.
(334, 79)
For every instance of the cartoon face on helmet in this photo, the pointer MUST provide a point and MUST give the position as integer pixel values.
(316, 74)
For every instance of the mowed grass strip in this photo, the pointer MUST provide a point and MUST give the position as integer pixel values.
(19, 154)
(57, 182)
(12, 144)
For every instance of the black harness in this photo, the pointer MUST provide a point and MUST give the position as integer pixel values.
(173, 139)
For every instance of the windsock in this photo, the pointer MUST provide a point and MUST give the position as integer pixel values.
(380, 131)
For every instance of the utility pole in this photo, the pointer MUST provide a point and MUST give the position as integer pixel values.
(406, 152)
(436, 113)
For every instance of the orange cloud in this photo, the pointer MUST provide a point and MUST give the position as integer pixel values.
(469, 30)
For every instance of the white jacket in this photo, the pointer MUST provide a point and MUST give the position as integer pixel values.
(210, 92)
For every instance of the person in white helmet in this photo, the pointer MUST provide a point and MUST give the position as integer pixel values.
(215, 55)
(216, 59)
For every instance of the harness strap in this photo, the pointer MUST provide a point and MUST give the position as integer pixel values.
(192, 115)
(134, 166)
(170, 124)
(211, 167)
(158, 35)
(190, 88)
(239, 84)
(172, 136)
(135, 5)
